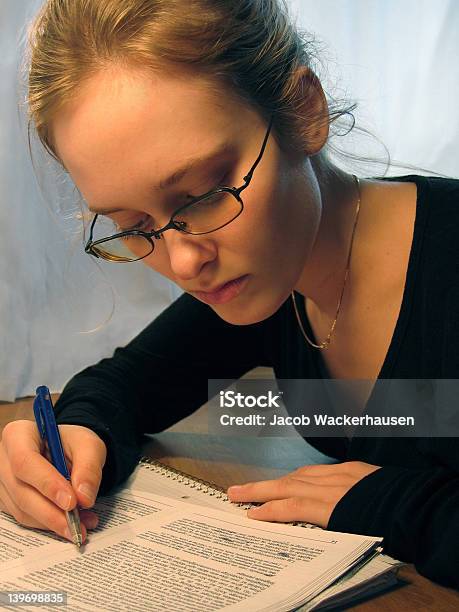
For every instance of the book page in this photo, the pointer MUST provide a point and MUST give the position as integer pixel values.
(380, 573)
(189, 559)
(18, 542)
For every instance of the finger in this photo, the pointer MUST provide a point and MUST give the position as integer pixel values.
(327, 469)
(89, 518)
(250, 490)
(88, 458)
(46, 515)
(21, 518)
(324, 481)
(293, 509)
(22, 445)
(7, 505)
(351, 468)
(281, 488)
(24, 519)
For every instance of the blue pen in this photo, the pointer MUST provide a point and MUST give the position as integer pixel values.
(47, 427)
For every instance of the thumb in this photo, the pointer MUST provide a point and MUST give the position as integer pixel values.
(87, 453)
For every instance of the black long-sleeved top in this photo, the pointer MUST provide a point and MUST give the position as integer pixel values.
(161, 376)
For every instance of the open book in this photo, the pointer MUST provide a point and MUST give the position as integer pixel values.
(168, 541)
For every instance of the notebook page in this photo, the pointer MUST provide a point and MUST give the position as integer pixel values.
(162, 481)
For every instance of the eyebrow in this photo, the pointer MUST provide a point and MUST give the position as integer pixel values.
(178, 175)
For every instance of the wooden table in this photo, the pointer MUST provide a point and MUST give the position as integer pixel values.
(226, 461)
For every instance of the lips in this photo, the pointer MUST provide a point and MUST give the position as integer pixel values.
(216, 289)
(224, 293)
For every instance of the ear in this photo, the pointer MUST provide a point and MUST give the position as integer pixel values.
(313, 109)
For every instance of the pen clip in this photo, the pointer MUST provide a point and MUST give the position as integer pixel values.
(38, 411)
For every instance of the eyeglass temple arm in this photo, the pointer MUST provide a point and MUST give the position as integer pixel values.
(248, 176)
(91, 231)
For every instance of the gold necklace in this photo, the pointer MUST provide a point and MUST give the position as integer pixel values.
(326, 342)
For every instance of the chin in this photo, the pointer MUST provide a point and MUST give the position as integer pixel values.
(248, 314)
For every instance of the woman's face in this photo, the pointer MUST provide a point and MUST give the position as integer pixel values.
(127, 131)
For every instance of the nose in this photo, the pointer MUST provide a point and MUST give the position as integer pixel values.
(187, 253)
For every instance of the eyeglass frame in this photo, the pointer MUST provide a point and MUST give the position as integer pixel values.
(235, 191)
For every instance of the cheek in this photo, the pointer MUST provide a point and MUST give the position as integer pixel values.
(278, 220)
(159, 260)
(298, 214)
(257, 226)
(280, 231)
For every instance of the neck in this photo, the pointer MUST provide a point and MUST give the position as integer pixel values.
(323, 274)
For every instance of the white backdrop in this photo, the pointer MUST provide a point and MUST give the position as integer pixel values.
(397, 58)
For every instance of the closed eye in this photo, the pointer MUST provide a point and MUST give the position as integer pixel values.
(219, 184)
(143, 224)
(147, 223)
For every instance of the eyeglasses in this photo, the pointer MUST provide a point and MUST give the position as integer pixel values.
(202, 215)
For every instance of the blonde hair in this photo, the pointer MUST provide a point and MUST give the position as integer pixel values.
(248, 45)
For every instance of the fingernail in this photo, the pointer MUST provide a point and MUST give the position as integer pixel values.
(87, 491)
(63, 499)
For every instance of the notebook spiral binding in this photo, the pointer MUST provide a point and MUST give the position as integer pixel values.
(206, 487)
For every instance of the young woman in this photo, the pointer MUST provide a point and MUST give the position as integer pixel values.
(292, 263)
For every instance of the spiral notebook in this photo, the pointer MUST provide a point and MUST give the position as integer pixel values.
(372, 574)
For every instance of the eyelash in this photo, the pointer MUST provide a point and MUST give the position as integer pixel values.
(143, 224)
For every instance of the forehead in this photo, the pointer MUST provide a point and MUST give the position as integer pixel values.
(128, 123)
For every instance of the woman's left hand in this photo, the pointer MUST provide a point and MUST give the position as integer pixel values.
(308, 494)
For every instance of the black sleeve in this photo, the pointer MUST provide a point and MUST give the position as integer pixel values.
(415, 510)
(157, 379)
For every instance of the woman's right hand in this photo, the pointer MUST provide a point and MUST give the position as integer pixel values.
(31, 488)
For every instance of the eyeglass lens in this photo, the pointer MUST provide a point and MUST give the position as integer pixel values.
(204, 216)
